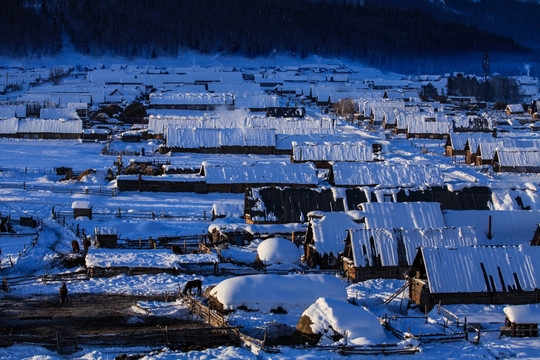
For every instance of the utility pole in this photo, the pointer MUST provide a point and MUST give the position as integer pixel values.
(485, 66)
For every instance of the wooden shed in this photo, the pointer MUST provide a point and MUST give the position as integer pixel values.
(105, 237)
(82, 208)
(521, 320)
(475, 275)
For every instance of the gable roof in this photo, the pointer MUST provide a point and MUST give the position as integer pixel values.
(380, 247)
(518, 157)
(352, 151)
(406, 215)
(478, 269)
(261, 173)
(381, 173)
(330, 230)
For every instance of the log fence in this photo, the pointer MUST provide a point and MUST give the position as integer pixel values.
(97, 191)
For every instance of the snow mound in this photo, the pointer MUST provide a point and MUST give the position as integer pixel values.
(278, 251)
(337, 317)
(266, 292)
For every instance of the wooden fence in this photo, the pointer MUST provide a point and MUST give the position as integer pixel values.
(99, 191)
(215, 319)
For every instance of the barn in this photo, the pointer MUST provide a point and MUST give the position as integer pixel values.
(475, 275)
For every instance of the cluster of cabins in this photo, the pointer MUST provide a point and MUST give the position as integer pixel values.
(441, 262)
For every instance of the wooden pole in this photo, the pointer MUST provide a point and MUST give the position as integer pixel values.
(489, 229)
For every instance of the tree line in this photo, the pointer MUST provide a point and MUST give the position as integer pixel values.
(494, 89)
(369, 32)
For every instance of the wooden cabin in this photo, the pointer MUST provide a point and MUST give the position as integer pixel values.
(521, 321)
(475, 275)
(525, 160)
(82, 208)
(288, 205)
(389, 253)
(514, 109)
(425, 129)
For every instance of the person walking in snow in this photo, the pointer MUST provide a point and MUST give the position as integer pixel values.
(63, 293)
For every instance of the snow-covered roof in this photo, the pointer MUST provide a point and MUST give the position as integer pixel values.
(514, 108)
(428, 127)
(9, 126)
(278, 251)
(190, 99)
(380, 247)
(465, 269)
(330, 230)
(81, 204)
(228, 208)
(380, 173)
(40, 126)
(266, 291)
(7, 112)
(518, 157)
(67, 113)
(160, 258)
(359, 325)
(440, 237)
(215, 138)
(374, 247)
(523, 314)
(255, 101)
(352, 151)
(407, 215)
(261, 173)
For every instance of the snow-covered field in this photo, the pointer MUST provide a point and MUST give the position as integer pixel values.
(35, 251)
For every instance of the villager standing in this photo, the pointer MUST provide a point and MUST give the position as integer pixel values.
(63, 293)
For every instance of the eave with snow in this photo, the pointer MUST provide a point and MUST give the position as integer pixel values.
(478, 275)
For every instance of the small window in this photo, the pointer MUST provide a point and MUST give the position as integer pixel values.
(331, 260)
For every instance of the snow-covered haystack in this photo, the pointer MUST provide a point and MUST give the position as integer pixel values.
(278, 251)
(329, 320)
(272, 292)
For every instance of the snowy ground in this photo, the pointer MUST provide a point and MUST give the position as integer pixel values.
(33, 162)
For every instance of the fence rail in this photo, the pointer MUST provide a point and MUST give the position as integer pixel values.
(61, 189)
(138, 215)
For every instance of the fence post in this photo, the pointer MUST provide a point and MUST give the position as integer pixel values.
(466, 329)
(24, 186)
(425, 311)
